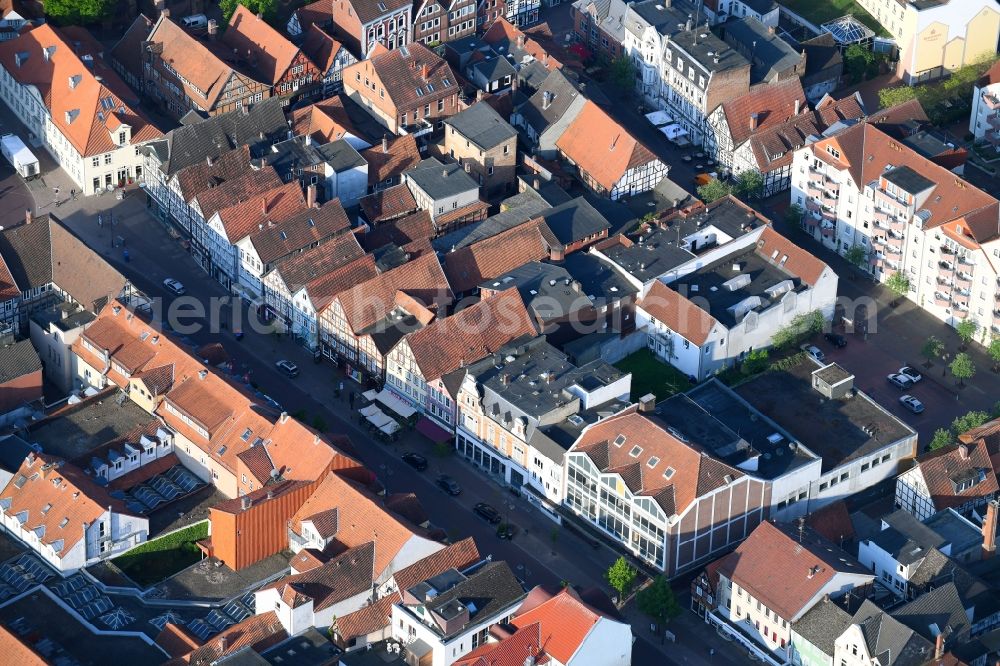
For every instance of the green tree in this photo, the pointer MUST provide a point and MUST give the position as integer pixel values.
(932, 349)
(713, 190)
(892, 96)
(623, 73)
(942, 438)
(801, 327)
(967, 422)
(994, 351)
(856, 255)
(749, 185)
(74, 12)
(267, 8)
(963, 368)
(621, 576)
(899, 285)
(859, 63)
(794, 215)
(966, 330)
(658, 600)
(754, 362)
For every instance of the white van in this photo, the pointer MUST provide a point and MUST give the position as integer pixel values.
(195, 22)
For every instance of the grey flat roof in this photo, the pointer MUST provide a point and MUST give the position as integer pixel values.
(771, 54)
(908, 180)
(599, 280)
(703, 46)
(440, 180)
(81, 428)
(481, 125)
(906, 538)
(832, 429)
(574, 221)
(309, 648)
(955, 529)
(659, 252)
(341, 155)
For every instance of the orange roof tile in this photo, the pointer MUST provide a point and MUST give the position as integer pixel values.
(678, 313)
(327, 287)
(939, 467)
(526, 645)
(237, 189)
(321, 48)
(176, 640)
(601, 147)
(472, 265)
(15, 651)
(269, 50)
(258, 632)
(369, 619)
(325, 121)
(800, 263)
(772, 105)
(459, 555)
(87, 110)
(564, 623)
(260, 210)
(391, 158)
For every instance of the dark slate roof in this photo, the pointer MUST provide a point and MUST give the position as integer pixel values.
(890, 641)
(575, 220)
(341, 155)
(906, 538)
(823, 625)
(562, 91)
(908, 180)
(939, 610)
(214, 136)
(822, 54)
(494, 68)
(27, 250)
(441, 180)
(18, 360)
(13, 451)
(490, 589)
(771, 54)
(483, 126)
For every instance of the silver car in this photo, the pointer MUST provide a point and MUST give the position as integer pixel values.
(912, 404)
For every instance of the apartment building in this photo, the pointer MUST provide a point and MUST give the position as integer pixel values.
(64, 516)
(185, 74)
(776, 576)
(76, 106)
(479, 137)
(862, 187)
(545, 116)
(935, 38)
(959, 477)
(684, 69)
(437, 22)
(601, 25)
(984, 123)
(409, 90)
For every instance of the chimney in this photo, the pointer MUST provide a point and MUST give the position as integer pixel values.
(311, 196)
(425, 71)
(213, 29)
(546, 100)
(283, 417)
(165, 13)
(208, 160)
(753, 122)
(520, 41)
(444, 172)
(223, 642)
(479, 94)
(798, 106)
(963, 451)
(263, 205)
(308, 140)
(468, 167)
(990, 529)
(536, 183)
(939, 645)
(270, 494)
(27, 216)
(385, 143)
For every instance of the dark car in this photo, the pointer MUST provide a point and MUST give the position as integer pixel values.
(836, 339)
(415, 460)
(487, 513)
(449, 485)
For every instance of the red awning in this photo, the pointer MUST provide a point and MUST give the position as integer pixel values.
(432, 431)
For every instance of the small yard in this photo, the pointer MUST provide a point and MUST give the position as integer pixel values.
(161, 558)
(651, 375)
(819, 13)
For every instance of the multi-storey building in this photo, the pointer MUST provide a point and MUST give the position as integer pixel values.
(409, 90)
(436, 22)
(480, 138)
(984, 124)
(330, 58)
(76, 106)
(183, 74)
(935, 38)
(448, 193)
(719, 11)
(959, 477)
(861, 187)
(601, 25)
(683, 68)
(362, 24)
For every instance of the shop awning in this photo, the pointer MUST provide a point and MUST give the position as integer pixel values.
(379, 419)
(432, 431)
(369, 395)
(389, 428)
(369, 410)
(395, 404)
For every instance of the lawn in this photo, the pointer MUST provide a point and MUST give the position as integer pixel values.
(819, 12)
(650, 375)
(161, 558)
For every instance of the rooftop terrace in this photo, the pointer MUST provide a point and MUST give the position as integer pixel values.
(80, 428)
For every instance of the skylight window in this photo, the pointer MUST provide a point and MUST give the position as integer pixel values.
(420, 92)
(64, 522)
(636, 451)
(653, 462)
(446, 82)
(619, 440)
(669, 472)
(246, 435)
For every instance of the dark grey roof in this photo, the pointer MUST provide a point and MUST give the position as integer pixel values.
(440, 180)
(17, 360)
(769, 54)
(560, 92)
(546, 289)
(823, 624)
(890, 641)
(341, 155)
(310, 648)
(657, 13)
(494, 68)
(760, 6)
(657, 253)
(937, 569)
(532, 75)
(514, 210)
(908, 180)
(190, 144)
(484, 592)
(483, 126)
(704, 47)
(601, 282)
(27, 251)
(956, 530)
(13, 451)
(823, 58)
(574, 221)
(906, 538)
(940, 610)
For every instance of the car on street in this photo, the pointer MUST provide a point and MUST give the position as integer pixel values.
(449, 485)
(487, 513)
(836, 339)
(174, 286)
(912, 404)
(287, 367)
(415, 460)
(911, 373)
(902, 382)
(815, 352)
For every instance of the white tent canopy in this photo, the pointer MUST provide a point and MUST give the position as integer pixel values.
(369, 410)
(395, 404)
(659, 118)
(379, 419)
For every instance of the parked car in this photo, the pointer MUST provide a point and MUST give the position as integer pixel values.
(902, 382)
(174, 286)
(912, 404)
(836, 339)
(415, 460)
(911, 373)
(815, 352)
(287, 367)
(487, 513)
(449, 485)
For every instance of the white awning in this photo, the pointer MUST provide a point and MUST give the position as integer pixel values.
(369, 410)
(395, 404)
(379, 419)
(369, 395)
(389, 428)
(659, 118)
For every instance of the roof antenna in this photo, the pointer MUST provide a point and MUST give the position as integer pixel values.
(802, 528)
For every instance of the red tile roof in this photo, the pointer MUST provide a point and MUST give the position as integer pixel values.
(369, 619)
(391, 158)
(414, 227)
(522, 647)
(489, 258)
(678, 313)
(401, 73)
(459, 555)
(693, 474)
(197, 178)
(269, 50)
(601, 147)
(321, 48)
(388, 204)
(325, 121)
(15, 651)
(258, 632)
(774, 147)
(87, 102)
(176, 640)
(800, 262)
(303, 229)
(833, 521)
(343, 577)
(943, 467)
(235, 190)
(470, 334)
(325, 288)
(564, 623)
(773, 104)
(303, 268)
(262, 210)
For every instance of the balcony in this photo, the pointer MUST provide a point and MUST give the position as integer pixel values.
(829, 200)
(965, 260)
(946, 269)
(886, 201)
(960, 313)
(814, 191)
(895, 244)
(878, 243)
(812, 206)
(946, 282)
(946, 249)
(991, 101)
(963, 280)
(941, 300)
